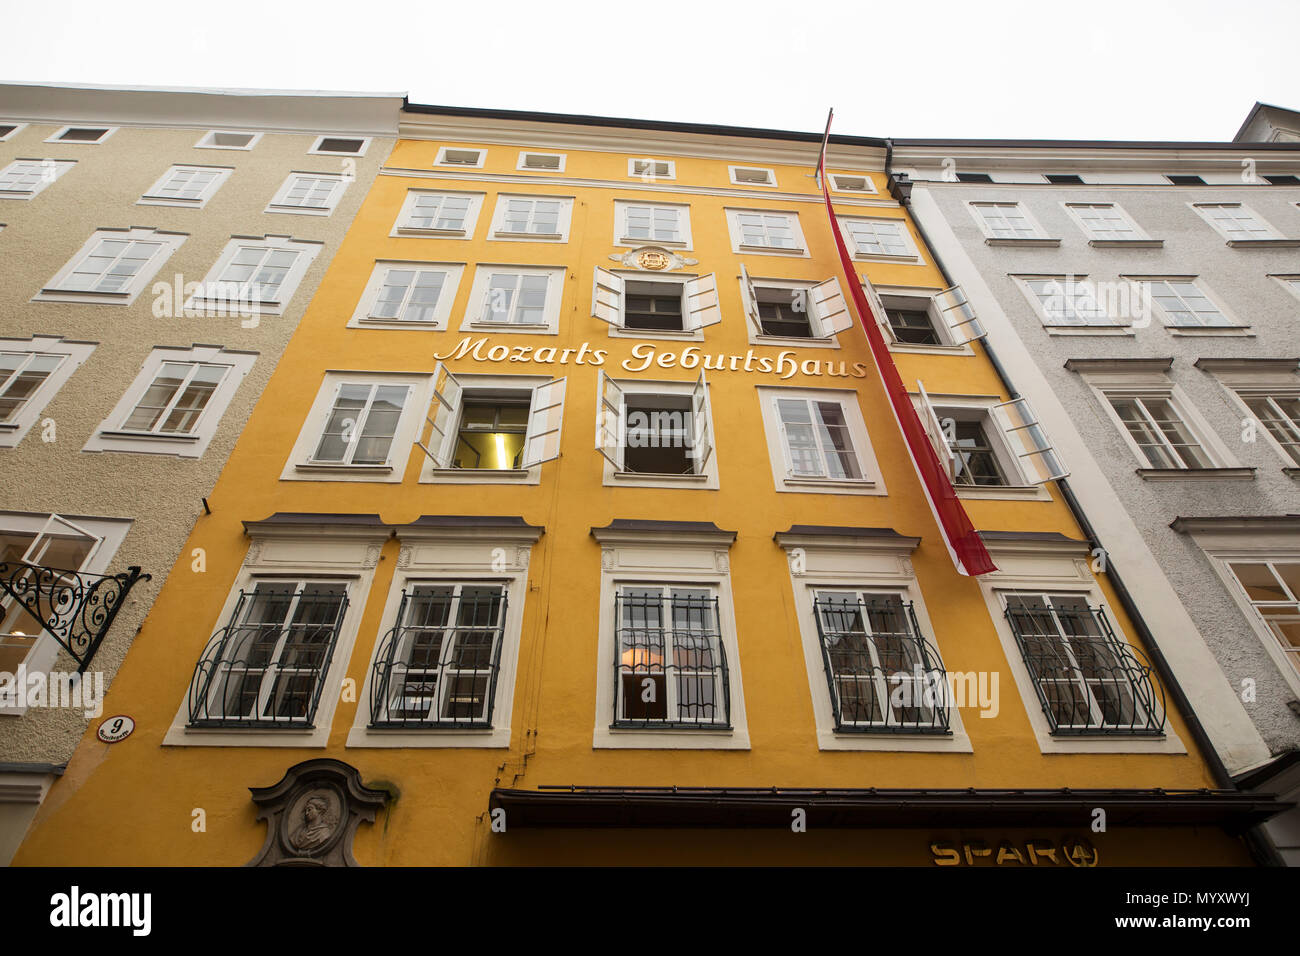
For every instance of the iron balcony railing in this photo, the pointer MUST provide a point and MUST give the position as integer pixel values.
(1088, 680)
(882, 674)
(269, 673)
(432, 673)
(670, 668)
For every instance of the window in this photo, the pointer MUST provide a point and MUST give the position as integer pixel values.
(31, 373)
(515, 299)
(25, 178)
(532, 218)
(1104, 222)
(314, 194)
(880, 239)
(82, 134)
(186, 186)
(175, 404)
(113, 267)
(1184, 180)
(818, 442)
(442, 214)
(228, 139)
(840, 182)
(1157, 429)
(1184, 305)
(340, 146)
(912, 326)
(1279, 413)
(547, 162)
(752, 176)
(1282, 180)
(1088, 681)
(974, 178)
(672, 304)
(648, 170)
(1067, 301)
(794, 310)
(1064, 179)
(771, 233)
(1006, 221)
(450, 156)
(7, 130)
(492, 428)
(1235, 222)
(256, 276)
(641, 223)
(403, 295)
(655, 434)
(362, 424)
(908, 318)
(1291, 283)
(1273, 589)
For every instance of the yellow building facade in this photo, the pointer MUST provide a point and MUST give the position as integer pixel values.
(576, 520)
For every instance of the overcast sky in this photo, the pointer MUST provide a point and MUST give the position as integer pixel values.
(1101, 69)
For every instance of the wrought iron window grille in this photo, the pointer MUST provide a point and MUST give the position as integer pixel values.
(670, 667)
(1088, 681)
(268, 674)
(437, 668)
(74, 608)
(882, 674)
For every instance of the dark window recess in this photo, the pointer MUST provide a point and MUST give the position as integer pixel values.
(653, 306)
(334, 145)
(912, 326)
(974, 178)
(1064, 179)
(658, 435)
(976, 462)
(6, 129)
(1272, 180)
(784, 312)
(491, 434)
(83, 135)
(1185, 180)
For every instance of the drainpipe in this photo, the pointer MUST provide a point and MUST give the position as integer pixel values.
(1262, 849)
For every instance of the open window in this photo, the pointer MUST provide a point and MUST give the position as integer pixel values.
(656, 431)
(486, 426)
(782, 309)
(659, 304)
(941, 318)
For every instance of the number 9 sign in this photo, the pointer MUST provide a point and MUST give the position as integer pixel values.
(116, 729)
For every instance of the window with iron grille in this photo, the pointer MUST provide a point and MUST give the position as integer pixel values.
(266, 667)
(881, 673)
(1088, 681)
(438, 667)
(670, 669)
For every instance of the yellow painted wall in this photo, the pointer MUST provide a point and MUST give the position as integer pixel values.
(132, 802)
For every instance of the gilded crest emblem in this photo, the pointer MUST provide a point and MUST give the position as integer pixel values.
(653, 259)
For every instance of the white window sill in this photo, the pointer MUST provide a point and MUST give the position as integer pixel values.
(771, 250)
(1090, 330)
(1227, 330)
(1002, 492)
(170, 201)
(336, 469)
(1126, 243)
(633, 242)
(1029, 243)
(899, 743)
(150, 436)
(300, 210)
(795, 341)
(619, 332)
(907, 259)
(430, 231)
(17, 193)
(180, 735)
(1196, 474)
(89, 298)
(940, 349)
(1105, 744)
(656, 476)
(231, 308)
(607, 738)
(482, 476)
(530, 329)
(1293, 473)
(367, 322)
(1264, 243)
(529, 236)
(860, 486)
(421, 738)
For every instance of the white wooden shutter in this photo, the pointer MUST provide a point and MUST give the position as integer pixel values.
(57, 526)
(934, 428)
(750, 298)
(959, 316)
(1024, 433)
(877, 308)
(444, 407)
(607, 297)
(701, 440)
(830, 308)
(545, 420)
(609, 419)
(701, 300)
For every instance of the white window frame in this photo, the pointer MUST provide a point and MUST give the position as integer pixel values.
(498, 234)
(153, 198)
(279, 203)
(621, 237)
(170, 242)
(17, 128)
(734, 172)
(692, 560)
(402, 227)
(1233, 327)
(872, 481)
(112, 435)
(1240, 393)
(108, 131)
(700, 307)
(74, 355)
(829, 315)
(1273, 383)
(1271, 236)
(301, 467)
(651, 175)
(869, 186)
(522, 164)
(1097, 240)
(446, 410)
(477, 305)
(52, 169)
(910, 256)
(310, 551)
(920, 299)
(452, 273)
(1039, 238)
(800, 248)
(1068, 284)
(441, 158)
(446, 556)
(206, 140)
(615, 476)
(307, 250)
(317, 150)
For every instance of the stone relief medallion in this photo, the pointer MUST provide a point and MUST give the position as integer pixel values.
(312, 822)
(313, 813)
(653, 259)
